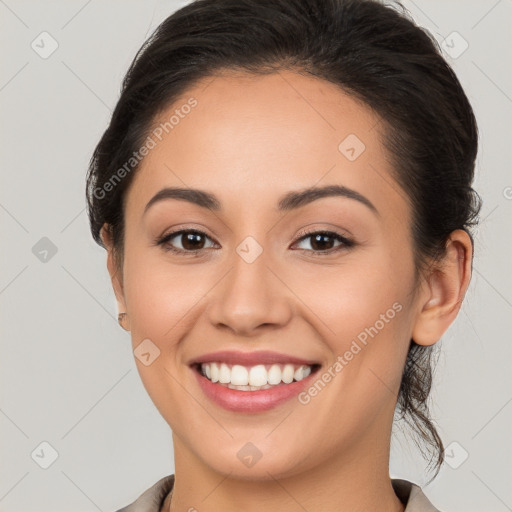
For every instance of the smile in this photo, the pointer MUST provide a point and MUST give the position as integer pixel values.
(254, 378)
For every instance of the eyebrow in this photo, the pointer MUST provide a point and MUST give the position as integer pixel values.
(289, 201)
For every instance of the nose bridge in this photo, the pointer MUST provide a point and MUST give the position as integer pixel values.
(249, 267)
(250, 295)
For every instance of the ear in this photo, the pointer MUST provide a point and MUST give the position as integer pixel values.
(444, 289)
(116, 275)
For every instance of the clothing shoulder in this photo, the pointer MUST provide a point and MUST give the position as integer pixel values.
(412, 496)
(151, 499)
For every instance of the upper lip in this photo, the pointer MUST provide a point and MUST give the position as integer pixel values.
(250, 358)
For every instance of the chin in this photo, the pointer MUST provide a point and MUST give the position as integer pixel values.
(247, 462)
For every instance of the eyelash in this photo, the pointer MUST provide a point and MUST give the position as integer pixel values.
(346, 243)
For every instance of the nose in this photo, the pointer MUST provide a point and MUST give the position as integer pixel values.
(250, 298)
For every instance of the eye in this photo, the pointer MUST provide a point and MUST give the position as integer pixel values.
(322, 242)
(191, 241)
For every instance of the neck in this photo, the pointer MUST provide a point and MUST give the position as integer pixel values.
(358, 480)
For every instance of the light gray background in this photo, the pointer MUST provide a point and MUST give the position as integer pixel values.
(68, 376)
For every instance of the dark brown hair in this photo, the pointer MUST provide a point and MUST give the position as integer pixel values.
(373, 51)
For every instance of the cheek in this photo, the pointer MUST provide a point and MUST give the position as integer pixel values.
(353, 296)
(162, 301)
(364, 314)
(161, 296)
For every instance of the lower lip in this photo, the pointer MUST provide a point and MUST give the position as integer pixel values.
(250, 401)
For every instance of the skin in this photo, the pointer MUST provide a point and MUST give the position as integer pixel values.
(249, 140)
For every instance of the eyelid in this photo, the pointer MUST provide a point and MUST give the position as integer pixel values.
(179, 228)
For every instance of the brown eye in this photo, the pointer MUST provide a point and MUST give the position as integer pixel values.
(322, 242)
(191, 241)
(184, 241)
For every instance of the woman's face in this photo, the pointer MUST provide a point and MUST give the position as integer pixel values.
(257, 282)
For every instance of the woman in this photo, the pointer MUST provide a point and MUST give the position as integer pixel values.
(284, 193)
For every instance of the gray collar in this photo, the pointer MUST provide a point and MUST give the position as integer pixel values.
(153, 498)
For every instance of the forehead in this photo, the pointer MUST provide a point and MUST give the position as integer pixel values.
(247, 135)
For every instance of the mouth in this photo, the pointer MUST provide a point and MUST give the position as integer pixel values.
(252, 382)
(256, 377)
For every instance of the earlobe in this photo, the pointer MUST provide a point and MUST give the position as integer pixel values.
(113, 269)
(444, 289)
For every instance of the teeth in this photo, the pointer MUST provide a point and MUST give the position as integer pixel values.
(288, 372)
(224, 374)
(274, 374)
(248, 388)
(214, 371)
(258, 375)
(239, 375)
(255, 377)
